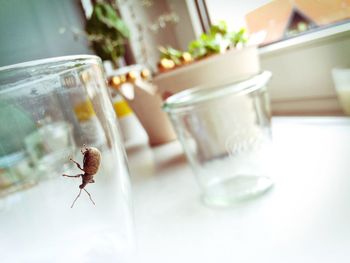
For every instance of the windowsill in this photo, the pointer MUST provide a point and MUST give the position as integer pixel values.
(308, 38)
(307, 210)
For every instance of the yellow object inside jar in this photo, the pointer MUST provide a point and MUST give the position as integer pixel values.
(84, 110)
(122, 108)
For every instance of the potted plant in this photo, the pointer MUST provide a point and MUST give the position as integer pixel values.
(107, 32)
(217, 56)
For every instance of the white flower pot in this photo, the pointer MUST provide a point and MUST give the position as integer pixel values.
(233, 65)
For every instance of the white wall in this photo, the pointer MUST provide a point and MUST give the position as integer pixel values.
(139, 18)
(176, 35)
(188, 28)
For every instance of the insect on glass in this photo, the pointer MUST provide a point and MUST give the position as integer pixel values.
(91, 164)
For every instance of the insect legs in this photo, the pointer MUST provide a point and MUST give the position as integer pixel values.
(89, 196)
(78, 165)
(79, 195)
(76, 176)
(76, 199)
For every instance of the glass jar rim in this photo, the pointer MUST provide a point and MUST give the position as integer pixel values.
(59, 65)
(38, 62)
(187, 98)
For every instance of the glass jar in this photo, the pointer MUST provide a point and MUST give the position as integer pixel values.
(225, 132)
(54, 108)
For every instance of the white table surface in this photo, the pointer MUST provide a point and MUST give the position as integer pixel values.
(305, 218)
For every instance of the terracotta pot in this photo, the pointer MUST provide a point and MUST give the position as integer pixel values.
(147, 108)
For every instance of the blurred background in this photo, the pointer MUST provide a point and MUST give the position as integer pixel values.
(304, 39)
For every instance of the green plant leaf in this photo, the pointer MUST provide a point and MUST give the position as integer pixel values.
(238, 37)
(171, 53)
(107, 32)
(217, 40)
(219, 28)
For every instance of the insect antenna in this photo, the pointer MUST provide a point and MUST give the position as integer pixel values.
(89, 196)
(76, 198)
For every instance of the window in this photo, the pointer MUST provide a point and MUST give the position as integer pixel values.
(304, 40)
(280, 19)
(232, 11)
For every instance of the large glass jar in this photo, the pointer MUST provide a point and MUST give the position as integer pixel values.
(52, 111)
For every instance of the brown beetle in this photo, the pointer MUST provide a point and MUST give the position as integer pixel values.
(91, 164)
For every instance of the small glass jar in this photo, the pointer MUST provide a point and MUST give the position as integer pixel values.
(225, 131)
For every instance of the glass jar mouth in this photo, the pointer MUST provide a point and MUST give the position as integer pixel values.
(197, 95)
(61, 59)
(29, 72)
